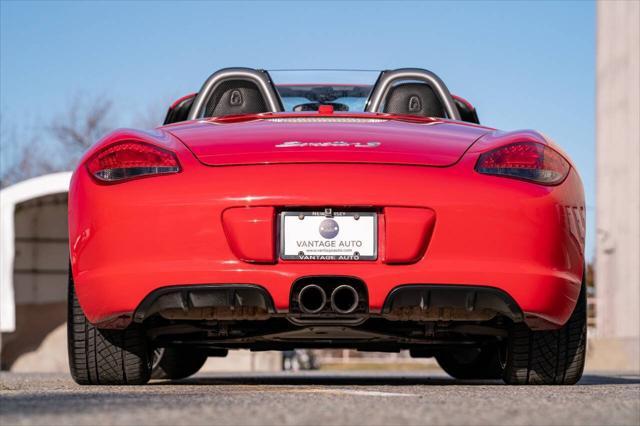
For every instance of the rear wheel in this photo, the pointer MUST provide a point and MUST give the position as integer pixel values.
(472, 363)
(104, 357)
(177, 363)
(553, 357)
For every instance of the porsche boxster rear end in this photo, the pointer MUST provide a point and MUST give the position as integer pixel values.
(241, 225)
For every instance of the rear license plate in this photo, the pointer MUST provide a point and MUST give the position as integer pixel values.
(328, 235)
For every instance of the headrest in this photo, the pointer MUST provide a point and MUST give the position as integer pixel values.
(413, 99)
(235, 97)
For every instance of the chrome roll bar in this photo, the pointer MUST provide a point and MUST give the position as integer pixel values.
(259, 77)
(388, 78)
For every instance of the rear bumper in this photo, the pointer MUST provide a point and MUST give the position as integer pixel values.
(449, 303)
(220, 302)
(131, 239)
(418, 302)
(544, 304)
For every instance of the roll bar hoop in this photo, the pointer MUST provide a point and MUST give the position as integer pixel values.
(259, 77)
(388, 78)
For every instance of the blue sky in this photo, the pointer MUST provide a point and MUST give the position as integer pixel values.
(522, 64)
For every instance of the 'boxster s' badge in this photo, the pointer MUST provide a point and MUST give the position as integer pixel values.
(330, 144)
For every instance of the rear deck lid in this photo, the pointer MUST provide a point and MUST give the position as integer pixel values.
(336, 139)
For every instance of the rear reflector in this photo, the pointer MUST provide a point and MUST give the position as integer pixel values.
(128, 160)
(525, 160)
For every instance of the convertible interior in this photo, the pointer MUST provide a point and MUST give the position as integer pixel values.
(236, 91)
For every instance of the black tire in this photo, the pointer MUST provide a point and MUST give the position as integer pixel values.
(104, 357)
(177, 363)
(478, 363)
(553, 357)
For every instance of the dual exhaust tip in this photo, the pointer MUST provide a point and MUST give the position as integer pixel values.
(344, 299)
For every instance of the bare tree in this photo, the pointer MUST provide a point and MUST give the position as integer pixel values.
(60, 145)
(152, 116)
(27, 165)
(85, 121)
(21, 156)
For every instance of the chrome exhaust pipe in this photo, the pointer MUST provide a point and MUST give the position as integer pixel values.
(344, 299)
(312, 299)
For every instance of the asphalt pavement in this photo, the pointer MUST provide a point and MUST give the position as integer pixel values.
(318, 398)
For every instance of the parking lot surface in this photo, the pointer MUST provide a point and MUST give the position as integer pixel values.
(318, 398)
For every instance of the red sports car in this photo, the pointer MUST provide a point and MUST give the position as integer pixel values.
(371, 211)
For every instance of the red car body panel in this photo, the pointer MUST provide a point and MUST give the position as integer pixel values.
(440, 221)
(421, 143)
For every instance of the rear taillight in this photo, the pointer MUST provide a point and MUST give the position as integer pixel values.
(525, 160)
(127, 160)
